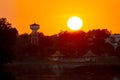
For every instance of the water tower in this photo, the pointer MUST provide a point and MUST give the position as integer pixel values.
(34, 35)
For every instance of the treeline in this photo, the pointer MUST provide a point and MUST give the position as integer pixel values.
(8, 36)
(70, 44)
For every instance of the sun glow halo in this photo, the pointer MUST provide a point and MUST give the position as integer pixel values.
(74, 23)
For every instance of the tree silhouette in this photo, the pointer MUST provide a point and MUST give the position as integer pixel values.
(8, 36)
(98, 39)
(117, 52)
(21, 45)
(70, 44)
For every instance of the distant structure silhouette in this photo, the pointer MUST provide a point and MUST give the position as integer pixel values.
(114, 40)
(34, 36)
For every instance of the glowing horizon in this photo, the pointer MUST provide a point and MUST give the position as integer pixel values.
(52, 15)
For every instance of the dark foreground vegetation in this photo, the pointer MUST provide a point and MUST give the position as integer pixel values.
(70, 44)
(14, 47)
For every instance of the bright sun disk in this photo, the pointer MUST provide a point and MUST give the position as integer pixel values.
(75, 23)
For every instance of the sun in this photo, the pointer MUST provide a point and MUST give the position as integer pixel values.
(74, 23)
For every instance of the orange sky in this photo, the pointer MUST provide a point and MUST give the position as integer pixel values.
(52, 15)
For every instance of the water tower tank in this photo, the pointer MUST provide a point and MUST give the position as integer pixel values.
(34, 35)
(34, 26)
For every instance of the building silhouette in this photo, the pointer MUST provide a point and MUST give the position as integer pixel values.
(34, 35)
